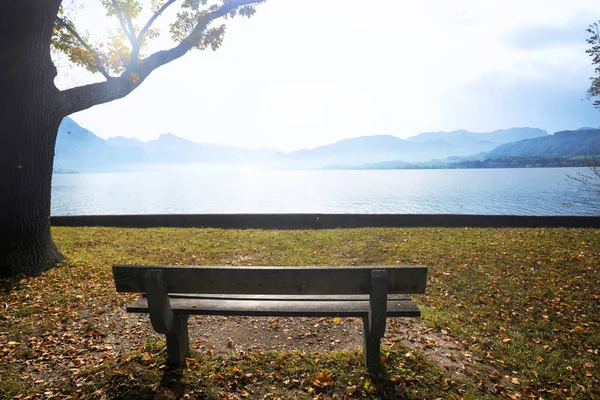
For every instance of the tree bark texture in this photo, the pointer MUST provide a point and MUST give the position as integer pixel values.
(29, 120)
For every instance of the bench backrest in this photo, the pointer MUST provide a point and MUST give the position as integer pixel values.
(270, 280)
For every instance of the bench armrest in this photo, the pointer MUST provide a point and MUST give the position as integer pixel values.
(159, 306)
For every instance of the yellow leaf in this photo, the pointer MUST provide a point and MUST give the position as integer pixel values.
(337, 320)
(322, 380)
(218, 377)
(494, 376)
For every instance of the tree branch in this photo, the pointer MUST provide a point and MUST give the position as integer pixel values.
(130, 23)
(203, 22)
(153, 18)
(150, 63)
(83, 97)
(73, 32)
(136, 50)
(121, 18)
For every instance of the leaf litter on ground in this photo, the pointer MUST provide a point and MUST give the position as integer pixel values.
(508, 313)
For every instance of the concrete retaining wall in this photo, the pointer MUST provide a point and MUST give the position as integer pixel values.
(324, 221)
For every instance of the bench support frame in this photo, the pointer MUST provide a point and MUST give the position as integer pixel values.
(178, 343)
(164, 321)
(175, 326)
(374, 323)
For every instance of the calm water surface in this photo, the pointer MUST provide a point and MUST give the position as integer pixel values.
(543, 191)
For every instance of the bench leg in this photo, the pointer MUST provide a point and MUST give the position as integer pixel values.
(371, 348)
(178, 344)
(374, 322)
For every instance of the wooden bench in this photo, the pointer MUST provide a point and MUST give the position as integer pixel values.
(174, 293)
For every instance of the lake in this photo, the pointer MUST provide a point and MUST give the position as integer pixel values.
(187, 190)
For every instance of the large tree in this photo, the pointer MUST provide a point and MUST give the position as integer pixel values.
(31, 106)
(590, 180)
(594, 52)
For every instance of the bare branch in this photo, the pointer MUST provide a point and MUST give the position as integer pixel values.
(589, 182)
(73, 32)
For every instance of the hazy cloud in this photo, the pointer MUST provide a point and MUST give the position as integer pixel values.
(547, 37)
(502, 101)
(304, 73)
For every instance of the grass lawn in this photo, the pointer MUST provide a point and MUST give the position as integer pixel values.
(522, 305)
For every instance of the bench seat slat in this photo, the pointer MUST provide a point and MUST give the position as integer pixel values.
(280, 308)
(279, 297)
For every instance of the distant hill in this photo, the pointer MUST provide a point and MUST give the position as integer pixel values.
(120, 141)
(464, 143)
(169, 148)
(577, 143)
(353, 151)
(465, 137)
(385, 148)
(78, 149)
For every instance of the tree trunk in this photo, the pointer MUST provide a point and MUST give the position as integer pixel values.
(29, 120)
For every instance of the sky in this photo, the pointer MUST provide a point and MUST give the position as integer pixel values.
(305, 73)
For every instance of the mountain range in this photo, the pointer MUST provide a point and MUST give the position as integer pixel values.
(423, 147)
(78, 149)
(582, 142)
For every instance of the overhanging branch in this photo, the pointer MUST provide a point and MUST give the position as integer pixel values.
(203, 22)
(83, 97)
(165, 56)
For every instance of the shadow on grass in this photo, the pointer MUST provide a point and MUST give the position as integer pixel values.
(132, 384)
(8, 285)
(171, 384)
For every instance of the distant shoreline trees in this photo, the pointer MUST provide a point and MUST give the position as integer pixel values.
(490, 163)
